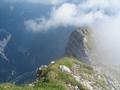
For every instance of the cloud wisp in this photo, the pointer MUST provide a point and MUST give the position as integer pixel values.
(71, 14)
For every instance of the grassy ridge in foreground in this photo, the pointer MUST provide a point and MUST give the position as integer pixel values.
(52, 78)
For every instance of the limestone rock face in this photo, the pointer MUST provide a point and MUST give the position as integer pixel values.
(76, 46)
(81, 46)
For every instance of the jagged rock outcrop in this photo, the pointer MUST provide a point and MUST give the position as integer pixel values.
(77, 44)
(81, 46)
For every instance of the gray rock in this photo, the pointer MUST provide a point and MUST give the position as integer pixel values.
(42, 66)
(76, 46)
(64, 68)
(52, 62)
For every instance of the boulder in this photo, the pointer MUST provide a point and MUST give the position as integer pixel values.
(64, 68)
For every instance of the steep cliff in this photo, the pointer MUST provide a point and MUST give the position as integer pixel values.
(79, 44)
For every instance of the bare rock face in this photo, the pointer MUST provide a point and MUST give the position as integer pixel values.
(77, 45)
(81, 46)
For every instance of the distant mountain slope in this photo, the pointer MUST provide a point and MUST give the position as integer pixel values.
(4, 39)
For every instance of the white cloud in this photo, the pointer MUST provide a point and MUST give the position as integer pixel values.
(106, 35)
(36, 25)
(67, 14)
(103, 3)
(71, 14)
(47, 2)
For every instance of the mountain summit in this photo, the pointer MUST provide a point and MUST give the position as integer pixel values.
(78, 44)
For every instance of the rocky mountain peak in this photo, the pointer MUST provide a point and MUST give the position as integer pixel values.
(78, 44)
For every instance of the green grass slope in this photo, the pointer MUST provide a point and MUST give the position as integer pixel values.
(52, 78)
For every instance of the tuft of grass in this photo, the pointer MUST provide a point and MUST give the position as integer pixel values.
(41, 86)
(82, 87)
(84, 68)
(67, 78)
(69, 62)
(54, 75)
(8, 86)
(101, 83)
(50, 86)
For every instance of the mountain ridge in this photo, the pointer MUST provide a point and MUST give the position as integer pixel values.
(73, 72)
